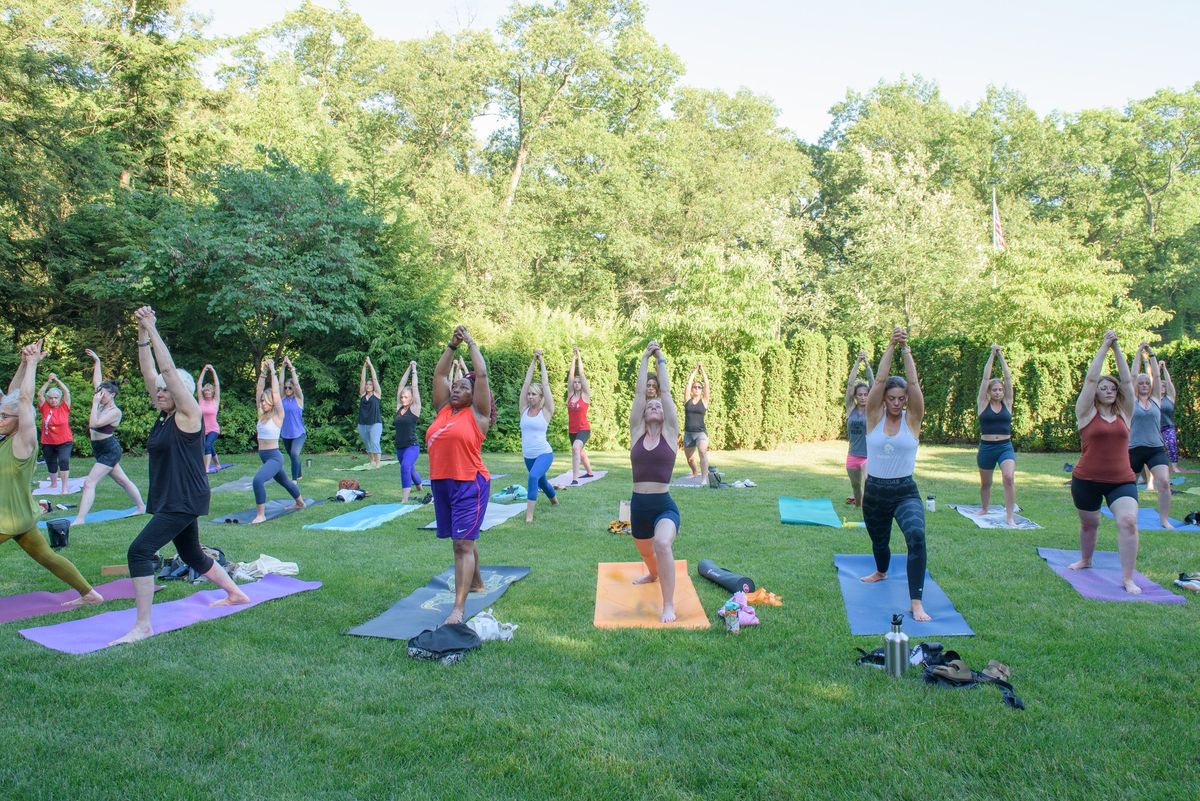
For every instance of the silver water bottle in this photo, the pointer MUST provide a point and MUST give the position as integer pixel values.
(895, 648)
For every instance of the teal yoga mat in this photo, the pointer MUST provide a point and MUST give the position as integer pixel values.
(808, 512)
(365, 517)
(101, 516)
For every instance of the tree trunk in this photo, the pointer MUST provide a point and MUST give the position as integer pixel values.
(522, 154)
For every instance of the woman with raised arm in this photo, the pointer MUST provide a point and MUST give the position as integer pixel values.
(270, 424)
(695, 435)
(370, 418)
(408, 414)
(1147, 451)
(895, 410)
(179, 492)
(459, 482)
(654, 434)
(209, 398)
(579, 399)
(18, 457)
(994, 406)
(102, 422)
(1103, 473)
(856, 426)
(293, 433)
(1166, 408)
(57, 438)
(537, 409)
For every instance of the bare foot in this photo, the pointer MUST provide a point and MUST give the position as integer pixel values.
(649, 578)
(477, 587)
(90, 599)
(554, 501)
(136, 634)
(1010, 523)
(1166, 524)
(668, 615)
(529, 517)
(141, 510)
(983, 510)
(232, 599)
(258, 519)
(455, 616)
(1132, 588)
(874, 577)
(79, 521)
(299, 504)
(918, 612)
(1082, 564)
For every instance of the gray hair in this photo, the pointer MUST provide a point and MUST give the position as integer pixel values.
(54, 392)
(11, 403)
(189, 383)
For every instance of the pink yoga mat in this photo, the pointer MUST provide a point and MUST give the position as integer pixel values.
(95, 633)
(35, 604)
(1102, 581)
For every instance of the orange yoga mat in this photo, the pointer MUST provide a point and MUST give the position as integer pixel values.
(621, 604)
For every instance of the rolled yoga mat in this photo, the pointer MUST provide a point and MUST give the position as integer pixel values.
(494, 515)
(564, 480)
(870, 607)
(1148, 520)
(808, 512)
(994, 518)
(363, 518)
(36, 604)
(733, 582)
(428, 607)
(73, 485)
(89, 634)
(274, 509)
(621, 604)
(1102, 581)
(99, 516)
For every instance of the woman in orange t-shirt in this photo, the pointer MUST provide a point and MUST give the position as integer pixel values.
(57, 438)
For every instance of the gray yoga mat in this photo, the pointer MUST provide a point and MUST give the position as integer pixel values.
(274, 509)
(494, 515)
(244, 484)
(427, 607)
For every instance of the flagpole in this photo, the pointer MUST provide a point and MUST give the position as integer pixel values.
(994, 283)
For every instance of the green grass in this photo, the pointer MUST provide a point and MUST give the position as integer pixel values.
(276, 703)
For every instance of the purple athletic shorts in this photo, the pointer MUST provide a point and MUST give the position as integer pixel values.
(459, 506)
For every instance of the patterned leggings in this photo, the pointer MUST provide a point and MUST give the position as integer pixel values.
(888, 499)
(1168, 435)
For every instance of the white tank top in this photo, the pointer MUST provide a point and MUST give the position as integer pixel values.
(894, 456)
(533, 435)
(268, 429)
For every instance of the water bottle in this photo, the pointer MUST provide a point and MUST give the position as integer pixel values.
(895, 648)
(930, 503)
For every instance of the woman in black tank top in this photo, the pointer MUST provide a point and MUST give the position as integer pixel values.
(179, 491)
(695, 435)
(994, 405)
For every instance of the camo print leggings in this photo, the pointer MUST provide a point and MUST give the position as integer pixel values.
(888, 499)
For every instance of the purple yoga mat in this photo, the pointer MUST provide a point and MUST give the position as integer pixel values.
(35, 604)
(1102, 581)
(95, 633)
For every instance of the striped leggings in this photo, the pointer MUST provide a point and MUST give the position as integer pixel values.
(888, 499)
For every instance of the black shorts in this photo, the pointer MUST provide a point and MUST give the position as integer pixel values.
(107, 451)
(1147, 456)
(1088, 494)
(58, 457)
(646, 509)
(581, 436)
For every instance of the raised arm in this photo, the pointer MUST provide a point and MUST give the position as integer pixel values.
(145, 362)
(547, 396)
(187, 411)
(41, 393)
(875, 396)
(523, 403)
(482, 395)
(216, 385)
(670, 413)
(1166, 380)
(1085, 404)
(374, 379)
(97, 375)
(691, 380)
(705, 392)
(415, 406)
(261, 386)
(276, 398)
(25, 438)
(571, 375)
(362, 379)
(587, 388)
(442, 373)
(852, 379)
(287, 361)
(1155, 375)
(981, 400)
(915, 413)
(1007, 376)
(1138, 362)
(400, 386)
(1126, 378)
(636, 411)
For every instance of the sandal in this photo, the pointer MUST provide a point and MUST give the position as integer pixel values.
(997, 670)
(954, 670)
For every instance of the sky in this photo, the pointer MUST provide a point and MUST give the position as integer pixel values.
(1062, 55)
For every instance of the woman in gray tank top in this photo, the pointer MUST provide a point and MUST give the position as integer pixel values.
(856, 426)
(1147, 452)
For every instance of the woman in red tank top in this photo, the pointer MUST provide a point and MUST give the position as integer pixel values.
(1102, 414)
(459, 482)
(579, 398)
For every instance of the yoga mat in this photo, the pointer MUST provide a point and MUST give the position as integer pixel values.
(1148, 520)
(244, 484)
(73, 485)
(382, 464)
(994, 518)
(808, 512)
(217, 468)
(35, 604)
(870, 607)
(564, 480)
(621, 604)
(88, 634)
(274, 509)
(1102, 581)
(99, 516)
(366, 517)
(495, 514)
(1175, 481)
(427, 607)
(690, 481)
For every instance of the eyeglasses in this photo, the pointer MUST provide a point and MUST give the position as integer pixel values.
(4, 416)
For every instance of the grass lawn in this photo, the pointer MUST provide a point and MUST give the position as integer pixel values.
(276, 703)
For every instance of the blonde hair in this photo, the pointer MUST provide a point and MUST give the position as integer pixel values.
(536, 386)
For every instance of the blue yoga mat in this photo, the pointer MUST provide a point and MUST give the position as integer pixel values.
(365, 517)
(101, 516)
(1175, 482)
(870, 606)
(1148, 520)
(808, 512)
(427, 607)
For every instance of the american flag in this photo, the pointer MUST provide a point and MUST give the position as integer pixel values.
(997, 231)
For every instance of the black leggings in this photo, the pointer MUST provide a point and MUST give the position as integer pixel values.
(164, 527)
(58, 457)
(888, 499)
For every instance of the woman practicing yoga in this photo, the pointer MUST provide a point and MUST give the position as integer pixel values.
(1146, 448)
(654, 432)
(1166, 408)
(270, 424)
(57, 438)
(856, 426)
(460, 482)
(18, 456)
(179, 491)
(895, 409)
(102, 422)
(408, 414)
(579, 398)
(209, 398)
(537, 408)
(293, 433)
(994, 406)
(695, 435)
(1102, 414)
(370, 418)
(651, 387)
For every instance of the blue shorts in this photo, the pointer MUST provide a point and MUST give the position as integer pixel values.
(993, 453)
(647, 508)
(459, 506)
